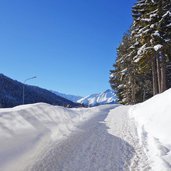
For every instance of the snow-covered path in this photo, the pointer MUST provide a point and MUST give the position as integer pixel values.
(99, 144)
(42, 137)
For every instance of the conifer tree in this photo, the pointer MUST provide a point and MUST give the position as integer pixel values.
(143, 65)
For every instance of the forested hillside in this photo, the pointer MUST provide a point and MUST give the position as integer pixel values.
(11, 94)
(143, 64)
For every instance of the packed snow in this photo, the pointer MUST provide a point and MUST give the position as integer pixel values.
(25, 130)
(106, 142)
(153, 119)
(121, 126)
(42, 137)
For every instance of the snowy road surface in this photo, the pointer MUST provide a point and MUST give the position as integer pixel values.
(99, 144)
(42, 137)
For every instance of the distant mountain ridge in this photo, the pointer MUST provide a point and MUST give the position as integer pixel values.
(11, 94)
(106, 97)
(72, 98)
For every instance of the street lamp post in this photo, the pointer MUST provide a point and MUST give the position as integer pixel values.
(24, 86)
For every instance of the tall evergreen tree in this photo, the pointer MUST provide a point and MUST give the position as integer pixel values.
(143, 64)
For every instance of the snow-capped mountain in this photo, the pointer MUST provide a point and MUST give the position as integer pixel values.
(72, 98)
(106, 97)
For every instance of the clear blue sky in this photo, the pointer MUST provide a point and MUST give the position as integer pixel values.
(70, 45)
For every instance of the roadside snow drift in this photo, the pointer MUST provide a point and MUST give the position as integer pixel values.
(27, 127)
(154, 123)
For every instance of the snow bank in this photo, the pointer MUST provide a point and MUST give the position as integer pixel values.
(23, 128)
(154, 124)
